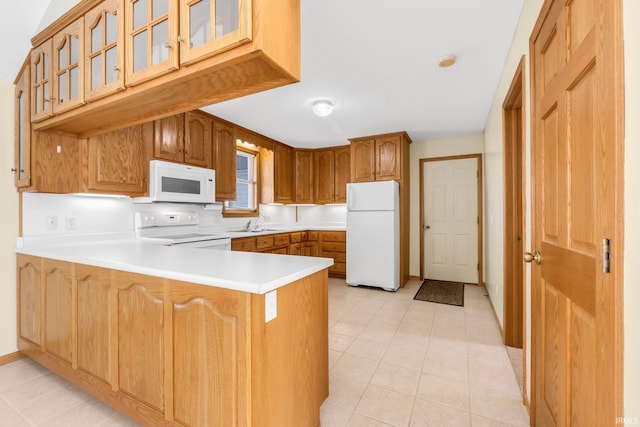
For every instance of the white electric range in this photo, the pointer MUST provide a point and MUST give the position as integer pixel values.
(178, 228)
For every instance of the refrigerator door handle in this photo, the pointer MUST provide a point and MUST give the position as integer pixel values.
(350, 196)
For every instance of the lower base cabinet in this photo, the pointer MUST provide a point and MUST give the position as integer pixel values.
(172, 353)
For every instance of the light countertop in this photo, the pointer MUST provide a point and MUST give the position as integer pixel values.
(243, 271)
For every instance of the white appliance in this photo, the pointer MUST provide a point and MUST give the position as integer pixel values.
(373, 234)
(178, 229)
(178, 183)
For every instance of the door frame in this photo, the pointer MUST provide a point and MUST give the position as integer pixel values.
(480, 213)
(514, 117)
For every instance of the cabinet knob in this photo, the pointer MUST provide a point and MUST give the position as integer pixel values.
(167, 45)
(14, 170)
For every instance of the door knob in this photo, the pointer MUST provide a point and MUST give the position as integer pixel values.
(535, 256)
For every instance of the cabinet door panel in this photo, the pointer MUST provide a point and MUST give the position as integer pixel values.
(94, 344)
(325, 173)
(283, 174)
(342, 173)
(207, 358)
(68, 66)
(41, 81)
(104, 49)
(303, 161)
(388, 158)
(152, 38)
(363, 161)
(140, 315)
(22, 128)
(29, 298)
(198, 142)
(56, 160)
(208, 27)
(119, 160)
(168, 141)
(58, 285)
(225, 161)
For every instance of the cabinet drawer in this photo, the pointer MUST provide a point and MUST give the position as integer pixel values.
(295, 249)
(338, 267)
(333, 247)
(295, 237)
(304, 236)
(333, 236)
(281, 239)
(248, 244)
(282, 251)
(312, 236)
(263, 242)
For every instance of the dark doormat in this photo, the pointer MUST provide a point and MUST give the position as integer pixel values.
(442, 292)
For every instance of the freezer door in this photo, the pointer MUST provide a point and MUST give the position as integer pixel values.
(373, 196)
(373, 255)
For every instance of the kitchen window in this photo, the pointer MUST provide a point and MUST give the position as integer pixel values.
(246, 183)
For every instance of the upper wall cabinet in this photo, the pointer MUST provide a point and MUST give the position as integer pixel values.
(146, 59)
(104, 50)
(378, 158)
(22, 168)
(68, 66)
(208, 27)
(152, 39)
(41, 71)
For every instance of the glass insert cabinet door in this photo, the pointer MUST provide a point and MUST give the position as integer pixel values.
(41, 72)
(152, 37)
(208, 27)
(22, 129)
(68, 66)
(104, 52)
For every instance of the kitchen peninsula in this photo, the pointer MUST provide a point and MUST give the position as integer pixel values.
(178, 336)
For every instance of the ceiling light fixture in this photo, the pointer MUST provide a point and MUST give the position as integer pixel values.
(322, 107)
(447, 61)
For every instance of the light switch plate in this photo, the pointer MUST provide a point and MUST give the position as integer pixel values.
(270, 305)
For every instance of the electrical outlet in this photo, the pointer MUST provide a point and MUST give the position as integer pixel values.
(270, 305)
(52, 223)
(70, 223)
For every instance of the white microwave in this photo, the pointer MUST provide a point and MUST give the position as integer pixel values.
(178, 183)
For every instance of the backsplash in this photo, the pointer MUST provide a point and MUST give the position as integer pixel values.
(46, 214)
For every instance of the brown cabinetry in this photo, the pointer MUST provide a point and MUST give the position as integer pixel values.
(282, 174)
(41, 81)
(56, 163)
(68, 67)
(304, 165)
(136, 335)
(184, 138)
(332, 173)
(119, 160)
(224, 146)
(22, 127)
(333, 244)
(168, 138)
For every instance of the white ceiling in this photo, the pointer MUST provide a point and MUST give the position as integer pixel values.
(378, 59)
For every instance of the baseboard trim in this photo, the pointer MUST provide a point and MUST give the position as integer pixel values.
(11, 357)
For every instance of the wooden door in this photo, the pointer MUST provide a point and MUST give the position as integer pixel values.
(363, 160)
(207, 28)
(388, 158)
(152, 39)
(577, 164)
(29, 299)
(104, 49)
(325, 172)
(119, 160)
(283, 174)
(58, 311)
(224, 145)
(41, 81)
(68, 67)
(168, 138)
(198, 140)
(303, 161)
(451, 220)
(342, 173)
(22, 127)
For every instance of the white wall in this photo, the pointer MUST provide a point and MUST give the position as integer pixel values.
(493, 172)
(8, 225)
(471, 144)
(632, 211)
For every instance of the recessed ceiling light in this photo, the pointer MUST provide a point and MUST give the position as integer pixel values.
(447, 61)
(322, 107)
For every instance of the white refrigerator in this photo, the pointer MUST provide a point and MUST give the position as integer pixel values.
(373, 234)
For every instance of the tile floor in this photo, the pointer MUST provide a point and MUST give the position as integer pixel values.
(393, 362)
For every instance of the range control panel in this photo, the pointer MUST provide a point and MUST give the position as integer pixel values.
(148, 220)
